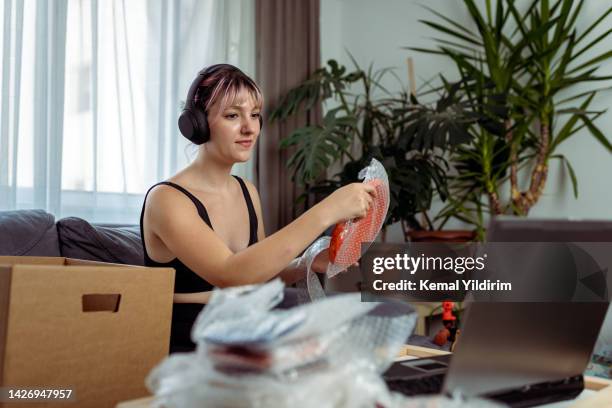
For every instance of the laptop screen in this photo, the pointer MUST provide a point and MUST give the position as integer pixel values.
(504, 345)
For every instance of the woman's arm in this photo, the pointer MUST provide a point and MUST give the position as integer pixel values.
(292, 272)
(174, 219)
(296, 270)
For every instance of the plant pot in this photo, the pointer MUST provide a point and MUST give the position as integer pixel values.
(440, 236)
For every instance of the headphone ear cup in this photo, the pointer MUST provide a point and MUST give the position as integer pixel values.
(203, 134)
(188, 124)
(194, 126)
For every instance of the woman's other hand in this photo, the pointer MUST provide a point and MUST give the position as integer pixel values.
(319, 265)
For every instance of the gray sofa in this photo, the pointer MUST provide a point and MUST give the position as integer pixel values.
(36, 233)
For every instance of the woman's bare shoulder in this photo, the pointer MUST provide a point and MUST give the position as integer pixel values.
(163, 194)
(167, 194)
(165, 202)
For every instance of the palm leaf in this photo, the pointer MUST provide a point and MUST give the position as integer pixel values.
(570, 171)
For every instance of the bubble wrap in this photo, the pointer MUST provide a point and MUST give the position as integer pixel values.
(348, 237)
(331, 355)
(345, 245)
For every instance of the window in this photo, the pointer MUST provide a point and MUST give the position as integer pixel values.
(92, 92)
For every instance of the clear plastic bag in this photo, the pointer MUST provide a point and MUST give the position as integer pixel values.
(193, 386)
(311, 286)
(329, 353)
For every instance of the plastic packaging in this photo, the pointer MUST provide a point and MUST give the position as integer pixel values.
(328, 353)
(311, 286)
(347, 238)
(345, 244)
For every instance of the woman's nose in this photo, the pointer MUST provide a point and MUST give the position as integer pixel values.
(249, 126)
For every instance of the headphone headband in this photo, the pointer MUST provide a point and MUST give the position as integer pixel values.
(195, 85)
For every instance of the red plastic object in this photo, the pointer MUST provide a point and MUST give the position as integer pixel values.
(447, 311)
(346, 239)
(336, 240)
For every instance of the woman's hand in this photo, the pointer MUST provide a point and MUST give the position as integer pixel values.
(348, 202)
(319, 264)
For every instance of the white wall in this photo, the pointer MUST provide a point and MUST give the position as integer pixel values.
(376, 31)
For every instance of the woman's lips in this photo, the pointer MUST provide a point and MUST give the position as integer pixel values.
(245, 143)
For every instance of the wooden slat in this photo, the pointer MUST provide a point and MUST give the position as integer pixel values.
(596, 383)
(601, 399)
(417, 351)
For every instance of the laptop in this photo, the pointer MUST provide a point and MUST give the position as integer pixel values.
(522, 354)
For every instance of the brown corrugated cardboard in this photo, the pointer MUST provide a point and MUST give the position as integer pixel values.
(95, 328)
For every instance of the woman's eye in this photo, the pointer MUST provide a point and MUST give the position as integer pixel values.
(256, 115)
(231, 116)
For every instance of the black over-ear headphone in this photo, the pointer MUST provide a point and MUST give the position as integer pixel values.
(193, 121)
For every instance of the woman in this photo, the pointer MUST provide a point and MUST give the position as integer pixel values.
(207, 224)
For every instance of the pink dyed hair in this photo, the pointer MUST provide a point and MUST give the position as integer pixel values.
(223, 87)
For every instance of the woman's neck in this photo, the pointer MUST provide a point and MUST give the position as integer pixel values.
(212, 174)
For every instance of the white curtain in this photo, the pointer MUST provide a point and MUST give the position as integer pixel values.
(91, 91)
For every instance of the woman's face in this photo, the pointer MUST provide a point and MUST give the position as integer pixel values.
(234, 130)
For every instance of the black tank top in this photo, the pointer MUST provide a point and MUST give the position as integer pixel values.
(187, 281)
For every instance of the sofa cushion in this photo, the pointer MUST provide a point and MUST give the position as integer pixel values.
(28, 232)
(81, 240)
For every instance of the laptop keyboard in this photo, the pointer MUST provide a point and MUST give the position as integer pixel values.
(536, 394)
(417, 386)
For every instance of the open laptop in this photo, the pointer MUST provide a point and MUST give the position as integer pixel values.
(522, 354)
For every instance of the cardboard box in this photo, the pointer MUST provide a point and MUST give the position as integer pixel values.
(95, 328)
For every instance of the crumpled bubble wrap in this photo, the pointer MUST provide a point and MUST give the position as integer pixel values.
(329, 353)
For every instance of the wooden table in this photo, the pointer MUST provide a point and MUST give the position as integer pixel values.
(137, 403)
(601, 398)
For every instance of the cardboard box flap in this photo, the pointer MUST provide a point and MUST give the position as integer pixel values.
(32, 260)
(84, 262)
(52, 260)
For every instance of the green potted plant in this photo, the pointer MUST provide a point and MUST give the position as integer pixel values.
(519, 69)
(368, 121)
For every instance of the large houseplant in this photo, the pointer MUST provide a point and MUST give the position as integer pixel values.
(364, 120)
(520, 68)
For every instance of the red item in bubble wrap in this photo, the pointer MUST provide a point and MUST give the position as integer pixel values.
(345, 244)
(336, 240)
